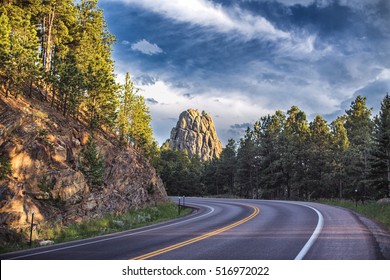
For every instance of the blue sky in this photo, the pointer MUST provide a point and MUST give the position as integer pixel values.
(239, 60)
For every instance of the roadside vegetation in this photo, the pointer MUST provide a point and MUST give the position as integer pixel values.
(371, 209)
(105, 225)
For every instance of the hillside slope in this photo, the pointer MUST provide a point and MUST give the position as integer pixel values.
(43, 148)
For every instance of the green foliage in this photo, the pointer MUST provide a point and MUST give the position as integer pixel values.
(359, 129)
(107, 224)
(115, 223)
(61, 49)
(181, 175)
(45, 184)
(19, 45)
(92, 163)
(338, 155)
(286, 157)
(379, 173)
(5, 167)
(226, 169)
(134, 119)
(245, 181)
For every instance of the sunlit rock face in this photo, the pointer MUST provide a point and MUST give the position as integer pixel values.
(43, 149)
(196, 134)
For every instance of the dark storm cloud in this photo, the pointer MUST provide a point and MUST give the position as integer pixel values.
(152, 101)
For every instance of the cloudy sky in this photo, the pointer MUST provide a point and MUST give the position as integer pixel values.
(241, 59)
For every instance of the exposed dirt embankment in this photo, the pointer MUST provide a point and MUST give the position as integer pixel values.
(44, 148)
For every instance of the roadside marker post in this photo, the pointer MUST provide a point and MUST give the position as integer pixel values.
(356, 197)
(178, 207)
(32, 225)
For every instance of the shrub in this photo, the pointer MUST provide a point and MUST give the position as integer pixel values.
(5, 167)
(92, 163)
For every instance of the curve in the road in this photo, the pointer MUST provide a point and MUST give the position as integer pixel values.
(314, 236)
(113, 236)
(231, 229)
(255, 212)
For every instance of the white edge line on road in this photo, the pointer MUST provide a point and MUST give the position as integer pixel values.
(314, 236)
(118, 236)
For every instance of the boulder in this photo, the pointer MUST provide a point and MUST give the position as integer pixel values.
(68, 183)
(384, 201)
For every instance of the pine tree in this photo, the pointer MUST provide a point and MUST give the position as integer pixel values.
(269, 154)
(359, 128)
(318, 179)
(70, 86)
(141, 133)
(19, 47)
(134, 119)
(380, 160)
(338, 159)
(226, 167)
(56, 20)
(93, 52)
(245, 177)
(92, 163)
(126, 99)
(295, 166)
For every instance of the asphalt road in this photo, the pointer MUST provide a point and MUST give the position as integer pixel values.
(230, 229)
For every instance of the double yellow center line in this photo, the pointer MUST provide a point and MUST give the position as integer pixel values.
(255, 212)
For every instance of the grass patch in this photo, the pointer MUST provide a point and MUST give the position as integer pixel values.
(107, 224)
(377, 212)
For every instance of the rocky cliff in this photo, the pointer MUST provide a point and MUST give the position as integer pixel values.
(43, 149)
(195, 133)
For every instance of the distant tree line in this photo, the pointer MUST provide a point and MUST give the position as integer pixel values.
(60, 51)
(284, 156)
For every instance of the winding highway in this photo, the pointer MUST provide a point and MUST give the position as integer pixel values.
(223, 229)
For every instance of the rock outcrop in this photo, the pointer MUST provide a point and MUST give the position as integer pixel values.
(195, 133)
(43, 149)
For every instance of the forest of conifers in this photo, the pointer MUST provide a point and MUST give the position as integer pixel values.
(59, 51)
(285, 156)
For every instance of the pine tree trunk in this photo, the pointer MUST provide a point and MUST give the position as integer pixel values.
(6, 88)
(340, 186)
(65, 105)
(388, 178)
(49, 43)
(30, 89)
(53, 97)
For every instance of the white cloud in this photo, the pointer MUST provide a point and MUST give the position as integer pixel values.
(208, 14)
(146, 47)
(384, 75)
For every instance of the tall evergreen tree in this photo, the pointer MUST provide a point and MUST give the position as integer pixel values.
(359, 128)
(318, 178)
(245, 177)
(134, 119)
(126, 100)
(270, 153)
(338, 157)
(226, 167)
(93, 53)
(18, 47)
(295, 165)
(380, 153)
(70, 85)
